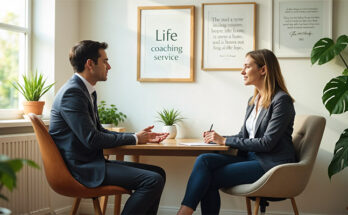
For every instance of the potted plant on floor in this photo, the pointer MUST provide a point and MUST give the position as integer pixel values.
(335, 94)
(169, 118)
(32, 89)
(109, 116)
(8, 169)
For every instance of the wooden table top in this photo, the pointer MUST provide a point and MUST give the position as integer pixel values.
(167, 147)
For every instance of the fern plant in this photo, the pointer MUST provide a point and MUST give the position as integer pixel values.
(110, 115)
(335, 94)
(33, 87)
(169, 117)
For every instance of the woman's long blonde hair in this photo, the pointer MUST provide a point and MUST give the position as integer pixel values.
(273, 80)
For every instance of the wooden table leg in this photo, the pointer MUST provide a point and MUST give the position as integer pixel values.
(135, 158)
(104, 199)
(117, 208)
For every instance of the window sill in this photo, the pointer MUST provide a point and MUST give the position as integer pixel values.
(18, 123)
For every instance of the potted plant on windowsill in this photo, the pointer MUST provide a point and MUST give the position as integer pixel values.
(8, 169)
(32, 89)
(109, 116)
(169, 118)
(335, 94)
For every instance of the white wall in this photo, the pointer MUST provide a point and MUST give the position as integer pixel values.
(214, 97)
(66, 34)
(55, 30)
(42, 54)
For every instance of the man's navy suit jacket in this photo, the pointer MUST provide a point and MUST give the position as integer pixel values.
(274, 126)
(77, 132)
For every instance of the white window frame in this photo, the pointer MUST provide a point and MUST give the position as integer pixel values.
(17, 113)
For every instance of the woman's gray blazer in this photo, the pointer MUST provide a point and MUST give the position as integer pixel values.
(273, 141)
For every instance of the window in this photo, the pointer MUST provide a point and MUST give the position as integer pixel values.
(14, 40)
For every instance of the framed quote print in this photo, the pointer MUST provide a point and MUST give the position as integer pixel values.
(228, 33)
(165, 44)
(299, 24)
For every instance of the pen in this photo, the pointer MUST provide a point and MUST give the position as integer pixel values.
(211, 127)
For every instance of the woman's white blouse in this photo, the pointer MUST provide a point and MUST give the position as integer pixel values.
(251, 121)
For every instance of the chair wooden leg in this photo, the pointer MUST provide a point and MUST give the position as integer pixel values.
(97, 210)
(294, 206)
(103, 204)
(75, 206)
(117, 208)
(248, 204)
(257, 205)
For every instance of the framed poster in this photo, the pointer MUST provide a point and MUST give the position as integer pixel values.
(165, 44)
(228, 33)
(299, 24)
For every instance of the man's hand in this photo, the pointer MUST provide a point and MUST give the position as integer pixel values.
(147, 136)
(212, 136)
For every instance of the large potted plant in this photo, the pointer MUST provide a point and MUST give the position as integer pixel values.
(335, 94)
(169, 118)
(32, 89)
(8, 169)
(109, 116)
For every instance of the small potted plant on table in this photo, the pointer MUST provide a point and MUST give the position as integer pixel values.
(169, 118)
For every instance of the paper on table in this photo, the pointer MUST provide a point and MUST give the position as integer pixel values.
(199, 144)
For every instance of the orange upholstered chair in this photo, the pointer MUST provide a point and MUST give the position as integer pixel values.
(59, 177)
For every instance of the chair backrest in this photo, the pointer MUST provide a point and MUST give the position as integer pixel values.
(308, 131)
(57, 174)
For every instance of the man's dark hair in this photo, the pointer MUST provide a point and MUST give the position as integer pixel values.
(84, 50)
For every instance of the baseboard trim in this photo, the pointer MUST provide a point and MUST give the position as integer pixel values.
(63, 211)
(87, 209)
(48, 211)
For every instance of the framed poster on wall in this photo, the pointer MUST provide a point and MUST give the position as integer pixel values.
(228, 33)
(298, 24)
(165, 44)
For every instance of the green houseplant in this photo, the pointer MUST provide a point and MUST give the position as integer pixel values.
(110, 115)
(335, 94)
(8, 169)
(32, 89)
(169, 118)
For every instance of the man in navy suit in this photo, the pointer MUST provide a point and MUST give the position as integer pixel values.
(77, 132)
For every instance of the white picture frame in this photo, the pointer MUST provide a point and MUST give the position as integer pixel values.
(228, 33)
(165, 44)
(298, 24)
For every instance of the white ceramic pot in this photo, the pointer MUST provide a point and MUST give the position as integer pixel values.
(107, 126)
(171, 129)
(5, 211)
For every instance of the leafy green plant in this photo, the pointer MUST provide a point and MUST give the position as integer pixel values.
(169, 117)
(110, 115)
(335, 94)
(8, 169)
(33, 87)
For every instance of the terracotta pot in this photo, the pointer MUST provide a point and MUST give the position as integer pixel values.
(33, 107)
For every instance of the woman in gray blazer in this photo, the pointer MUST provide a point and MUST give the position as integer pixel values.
(264, 141)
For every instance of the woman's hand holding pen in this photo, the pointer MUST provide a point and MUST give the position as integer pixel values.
(212, 136)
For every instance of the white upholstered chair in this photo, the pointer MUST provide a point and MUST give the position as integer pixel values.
(286, 181)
